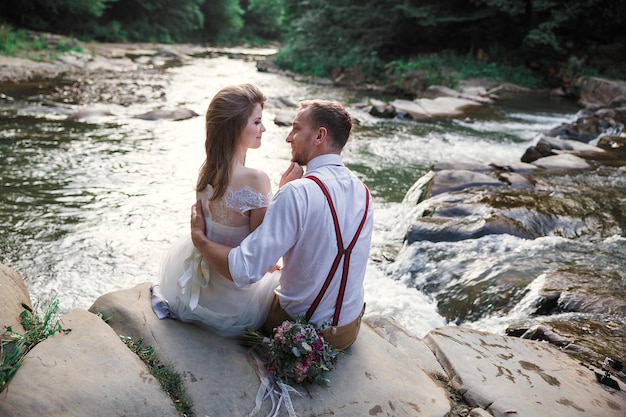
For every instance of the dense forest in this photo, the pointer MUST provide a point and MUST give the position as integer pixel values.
(545, 41)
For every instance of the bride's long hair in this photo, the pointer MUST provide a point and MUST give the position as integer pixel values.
(226, 118)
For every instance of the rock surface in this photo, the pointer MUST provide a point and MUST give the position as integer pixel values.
(14, 298)
(168, 114)
(222, 382)
(453, 371)
(602, 92)
(439, 107)
(455, 201)
(508, 376)
(87, 372)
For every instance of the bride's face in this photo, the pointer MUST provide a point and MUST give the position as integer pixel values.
(251, 135)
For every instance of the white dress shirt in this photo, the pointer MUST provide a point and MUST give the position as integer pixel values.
(298, 227)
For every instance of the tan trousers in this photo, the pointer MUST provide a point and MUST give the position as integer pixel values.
(339, 337)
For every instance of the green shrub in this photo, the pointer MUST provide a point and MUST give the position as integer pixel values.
(448, 69)
(14, 42)
(11, 41)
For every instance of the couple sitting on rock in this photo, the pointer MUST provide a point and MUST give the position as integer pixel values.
(226, 278)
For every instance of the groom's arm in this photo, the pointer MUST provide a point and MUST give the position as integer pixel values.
(215, 253)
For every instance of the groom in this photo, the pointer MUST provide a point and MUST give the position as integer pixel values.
(320, 224)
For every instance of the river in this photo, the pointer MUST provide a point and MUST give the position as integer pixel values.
(90, 207)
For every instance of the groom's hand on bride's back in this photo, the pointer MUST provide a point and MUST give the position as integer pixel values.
(214, 253)
(198, 227)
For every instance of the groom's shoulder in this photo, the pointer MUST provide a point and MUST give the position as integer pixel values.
(296, 189)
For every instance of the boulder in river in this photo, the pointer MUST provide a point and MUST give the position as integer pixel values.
(168, 114)
(602, 92)
(89, 114)
(458, 200)
(439, 107)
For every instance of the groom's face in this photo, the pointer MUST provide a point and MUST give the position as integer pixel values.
(301, 138)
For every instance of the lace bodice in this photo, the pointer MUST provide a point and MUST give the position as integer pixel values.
(230, 211)
(245, 199)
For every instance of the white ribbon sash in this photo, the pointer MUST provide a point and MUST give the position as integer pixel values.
(196, 275)
(271, 387)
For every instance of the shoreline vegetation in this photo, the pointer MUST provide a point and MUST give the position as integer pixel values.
(533, 44)
(408, 77)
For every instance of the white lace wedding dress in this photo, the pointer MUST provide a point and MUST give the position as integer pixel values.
(190, 290)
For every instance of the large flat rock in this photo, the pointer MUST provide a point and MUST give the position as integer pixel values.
(374, 377)
(387, 372)
(562, 162)
(86, 372)
(440, 107)
(514, 377)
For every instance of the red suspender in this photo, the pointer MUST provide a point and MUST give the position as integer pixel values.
(341, 252)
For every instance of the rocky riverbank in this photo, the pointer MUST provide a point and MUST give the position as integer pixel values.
(104, 73)
(453, 371)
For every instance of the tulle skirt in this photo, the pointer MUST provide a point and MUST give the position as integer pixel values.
(193, 292)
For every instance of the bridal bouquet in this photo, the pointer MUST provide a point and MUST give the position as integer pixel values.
(297, 353)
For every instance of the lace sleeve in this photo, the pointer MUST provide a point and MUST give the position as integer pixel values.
(246, 199)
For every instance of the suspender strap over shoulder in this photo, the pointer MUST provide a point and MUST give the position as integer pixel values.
(342, 252)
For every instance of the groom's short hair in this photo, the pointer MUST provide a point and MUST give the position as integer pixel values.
(332, 116)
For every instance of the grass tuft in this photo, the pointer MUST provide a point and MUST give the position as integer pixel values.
(14, 346)
(170, 380)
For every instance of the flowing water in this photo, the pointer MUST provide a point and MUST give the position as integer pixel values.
(90, 207)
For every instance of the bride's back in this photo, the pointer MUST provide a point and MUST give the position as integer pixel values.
(228, 217)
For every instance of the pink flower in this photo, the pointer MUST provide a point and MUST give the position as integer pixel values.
(301, 370)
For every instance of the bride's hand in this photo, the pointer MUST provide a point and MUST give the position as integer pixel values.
(294, 172)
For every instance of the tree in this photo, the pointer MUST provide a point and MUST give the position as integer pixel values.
(51, 15)
(263, 18)
(154, 20)
(550, 25)
(222, 20)
(322, 34)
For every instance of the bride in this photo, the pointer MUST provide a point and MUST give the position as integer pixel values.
(234, 199)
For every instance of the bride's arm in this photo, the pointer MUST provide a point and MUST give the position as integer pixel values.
(256, 217)
(260, 184)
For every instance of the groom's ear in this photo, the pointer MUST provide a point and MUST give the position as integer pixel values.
(322, 135)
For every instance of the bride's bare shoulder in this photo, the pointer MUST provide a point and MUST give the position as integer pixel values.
(256, 179)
